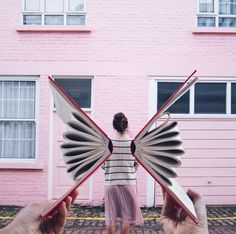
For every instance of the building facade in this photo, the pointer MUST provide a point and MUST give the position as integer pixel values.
(116, 56)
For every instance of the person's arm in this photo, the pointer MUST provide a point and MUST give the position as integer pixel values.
(174, 220)
(28, 220)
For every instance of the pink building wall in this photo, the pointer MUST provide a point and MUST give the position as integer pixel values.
(128, 43)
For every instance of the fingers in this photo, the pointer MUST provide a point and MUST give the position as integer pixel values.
(163, 193)
(74, 195)
(169, 207)
(70, 199)
(68, 202)
(60, 218)
(56, 221)
(193, 195)
(199, 206)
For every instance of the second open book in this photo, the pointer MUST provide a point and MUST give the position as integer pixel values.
(157, 147)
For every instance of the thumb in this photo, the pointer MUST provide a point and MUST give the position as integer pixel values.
(199, 206)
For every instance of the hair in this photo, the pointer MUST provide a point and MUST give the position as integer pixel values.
(120, 122)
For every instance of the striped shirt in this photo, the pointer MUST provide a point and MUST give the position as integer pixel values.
(120, 166)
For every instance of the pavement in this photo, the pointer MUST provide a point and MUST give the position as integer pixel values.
(90, 220)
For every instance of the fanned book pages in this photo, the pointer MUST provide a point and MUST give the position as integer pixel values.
(158, 148)
(86, 146)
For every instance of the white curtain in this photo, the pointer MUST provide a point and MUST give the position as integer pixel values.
(17, 119)
(54, 20)
(76, 5)
(32, 5)
(227, 7)
(54, 5)
(206, 5)
(227, 22)
(206, 22)
(76, 19)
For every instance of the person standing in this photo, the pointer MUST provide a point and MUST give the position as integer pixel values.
(121, 201)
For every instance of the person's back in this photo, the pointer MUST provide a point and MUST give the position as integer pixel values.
(121, 202)
(119, 168)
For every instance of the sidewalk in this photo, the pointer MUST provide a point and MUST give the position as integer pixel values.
(89, 220)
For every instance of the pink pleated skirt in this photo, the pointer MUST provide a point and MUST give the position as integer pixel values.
(122, 205)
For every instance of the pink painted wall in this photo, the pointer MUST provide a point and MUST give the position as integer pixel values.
(129, 41)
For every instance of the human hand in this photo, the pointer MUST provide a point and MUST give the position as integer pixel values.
(28, 221)
(175, 221)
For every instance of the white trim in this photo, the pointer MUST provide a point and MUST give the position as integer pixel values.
(152, 103)
(228, 98)
(36, 119)
(231, 96)
(90, 181)
(191, 100)
(51, 149)
(18, 160)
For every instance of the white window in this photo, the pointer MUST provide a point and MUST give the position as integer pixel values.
(54, 12)
(17, 119)
(207, 97)
(216, 13)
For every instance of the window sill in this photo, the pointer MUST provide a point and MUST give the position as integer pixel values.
(209, 30)
(53, 28)
(20, 165)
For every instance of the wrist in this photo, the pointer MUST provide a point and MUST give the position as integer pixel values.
(13, 229)
(7, 229)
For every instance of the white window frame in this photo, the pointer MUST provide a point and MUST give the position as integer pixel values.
(153, 96)
(42, 12)
(36, 119)
(233, 82)
(214, 14)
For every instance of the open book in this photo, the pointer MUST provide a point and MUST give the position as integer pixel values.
(86, 146)
(156, 147)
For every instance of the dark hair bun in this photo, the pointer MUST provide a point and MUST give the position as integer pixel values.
(120, 122)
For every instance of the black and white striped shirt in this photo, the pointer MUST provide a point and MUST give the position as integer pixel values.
(120, 166)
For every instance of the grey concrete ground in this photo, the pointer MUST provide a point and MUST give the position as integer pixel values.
(89, 220)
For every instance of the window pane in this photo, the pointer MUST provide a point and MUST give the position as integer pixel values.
(76, 19)
(1, 101)
(206, 21)
(32, 5)
(210, 98)
(54, 6)
(10, 98)
(206, 5)
(54, 20)
(78, 89)
(227, 22)
(17, 99)
(165, 89)
(76, 5)
(227, 7)
(27, 100)
(17, 139)
(233, 98)
(27, 140)
(32, 19)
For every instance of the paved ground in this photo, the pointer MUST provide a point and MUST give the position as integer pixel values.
(89, 220)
